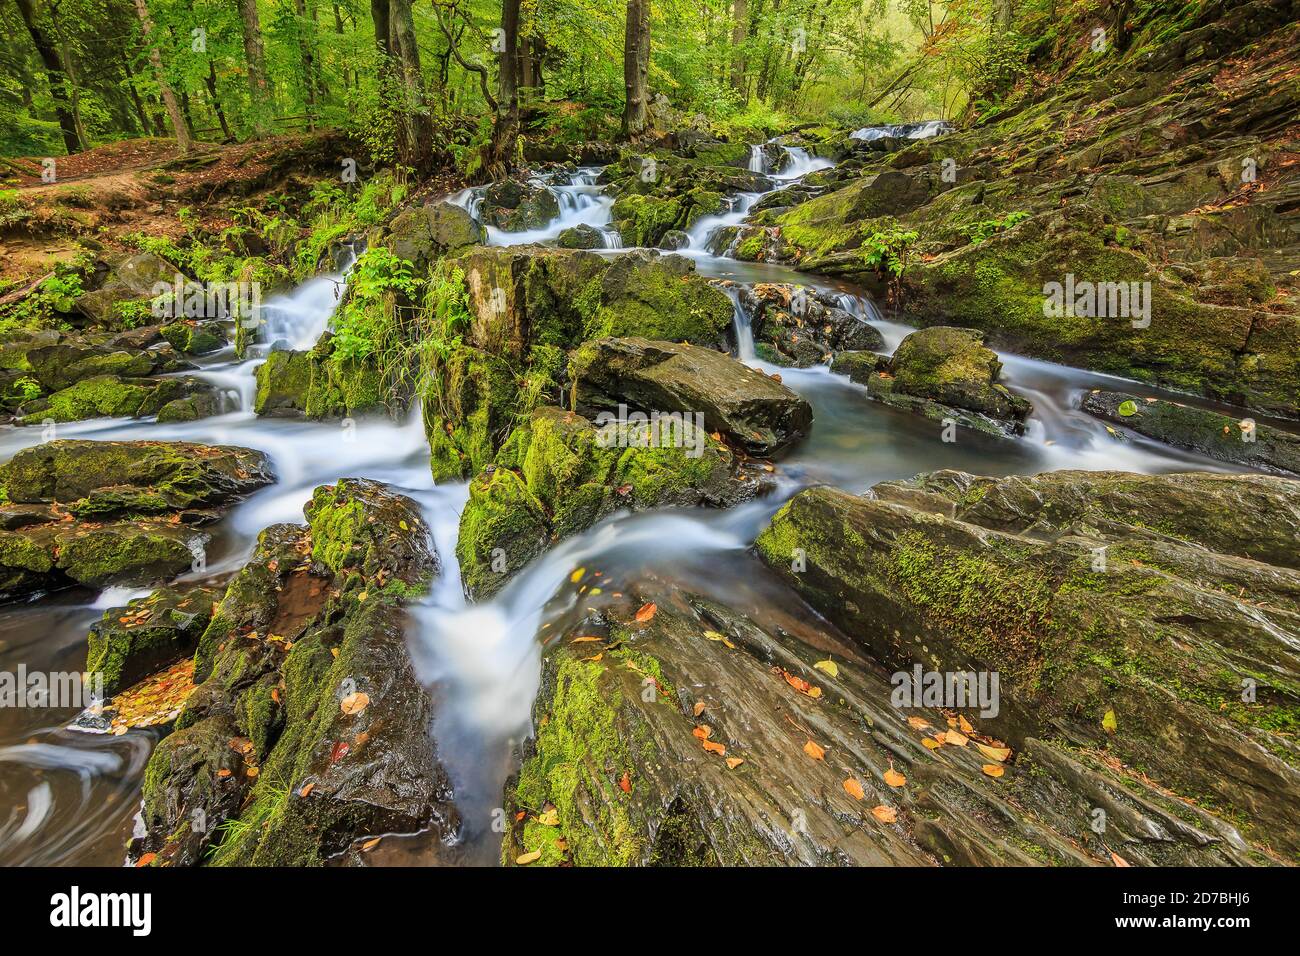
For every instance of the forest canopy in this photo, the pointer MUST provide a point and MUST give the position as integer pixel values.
(78, 73)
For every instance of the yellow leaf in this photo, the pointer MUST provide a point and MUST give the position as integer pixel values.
(918, 723)
(964, 724)
(955, 738)
(576, 576)
(884, 814)
(526, 858)
(829, 666)
(1109, 723)
(734, 762)
(370, 844)
(854, 789)
(894, 778)
(812, 750)
(993, 769)
(362, 596)
(931, 743)
(551, 818)
(1000, 754)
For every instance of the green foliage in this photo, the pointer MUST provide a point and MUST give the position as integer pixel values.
(986, 228)
(368, 322)
(887, 250)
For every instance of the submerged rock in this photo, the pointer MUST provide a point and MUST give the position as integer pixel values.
(559, 474)
(754, 411)
(581, 236)
(516, 207)
(309, 728)
(1224, 437)
(947, 373)
(1124, 614)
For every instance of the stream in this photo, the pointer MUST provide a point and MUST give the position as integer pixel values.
(69, 797)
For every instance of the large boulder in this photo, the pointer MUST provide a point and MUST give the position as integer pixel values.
(752, 410)
(558, 474)
(1145, 619)
(516, 207)
(309, 729)
(126, 279)
(1242, 441)
(700, 735)
(948, 373)
(423, 234)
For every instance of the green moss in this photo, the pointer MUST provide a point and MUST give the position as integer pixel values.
(580, 756)
(335, 529)
(101, 395)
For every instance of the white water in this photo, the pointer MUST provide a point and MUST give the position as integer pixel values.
(926, 130)
(581, 203)
(482, 661)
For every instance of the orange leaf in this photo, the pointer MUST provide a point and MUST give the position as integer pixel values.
(964, 724)
(625, 782)
(918, 723)
(734, 762)
(715, 748)
(801, 685)
(884, 814)
(814, 751)
(994, 769)
(646, 613)
(703, 731)
(698, 708)
(894, 778)
(149, 858)
(306, 790)
(1115, 858)
(854, 789)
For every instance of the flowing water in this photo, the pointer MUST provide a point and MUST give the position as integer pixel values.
(70, 797)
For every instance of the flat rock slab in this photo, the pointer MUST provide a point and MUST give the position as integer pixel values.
(752, 410)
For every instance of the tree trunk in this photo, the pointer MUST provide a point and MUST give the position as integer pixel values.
(253, 54)
(169, 98)
(308, 62)
(216, 102)
(739, 31)
(57, 79)
(636, 67)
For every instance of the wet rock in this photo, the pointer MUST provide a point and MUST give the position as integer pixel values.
(797, 326)
(752, 410)
(560, 473)
(1122, 612)
(59, 366)
(674, 239)
(859, 366)
(309, 728)
(581, 236)
(130, 643)
(1224, 437)
(619, 753)
(422, 235)
(195, 338)
(947, 373)
(515, 207)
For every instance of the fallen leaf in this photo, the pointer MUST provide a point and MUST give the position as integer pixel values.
(854, 789)
(829, 666)
(584, 640)
(150, 857)
(715, 748)
(551, 818)
(625, 782)
(1000, 754)
(306, 790)
(814, 751)
(526, 858)
(252, 771)
(1118, 860)
(224, 772)
(931, 743)
(918, 723)
(734, 762)
(1109, 723)
(801, 685)
(894, 778)
(354, 703)
(964, 724)
(593, 659)
(884, 814)
(955, 738)
(698, 708)
(576, 576)
(703, 731)
(646, 613)
(370, 844)
(993, 770)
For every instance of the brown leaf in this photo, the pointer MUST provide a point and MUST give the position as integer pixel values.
(955, 738)
(625, 782)
(1114, 857)
(994, 770)
(854, 789)
(918, 723)
(814, 751)
(646, 612)
(801, 685)
(306, 790)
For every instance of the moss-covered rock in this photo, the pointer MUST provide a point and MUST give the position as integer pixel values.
(1124, 613)
(802, 327)
(515, 207)
(1230, 438)
(283, 383)
(558, 474)
(129, 643)
(195, 338)
(310, 727)
(424, 234)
